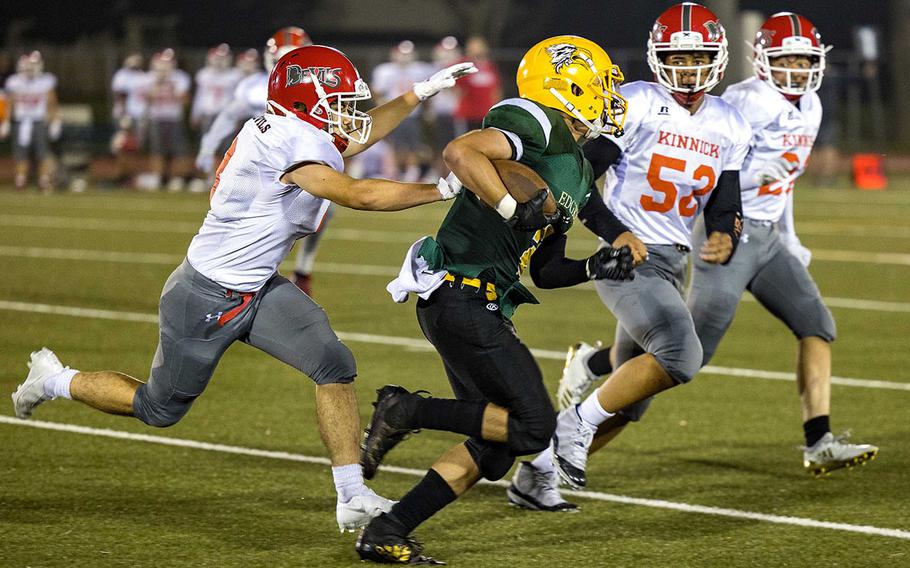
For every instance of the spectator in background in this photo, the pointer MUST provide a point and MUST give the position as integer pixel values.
(826, 155)
(247, 63)
(215, 84)
(440, 112)
(129, 116)
(479, 91)
(166, 92)
(33, 119)
(390, 80)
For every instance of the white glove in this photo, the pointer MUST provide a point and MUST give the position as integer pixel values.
(205, 162)
(443, 79)
(776, 170)
(54, 129)
(449, 186)
(796, 248)
(4, 129)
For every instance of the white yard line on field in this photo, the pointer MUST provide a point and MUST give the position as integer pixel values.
(424, 345)
(352, 270)
(595, 495)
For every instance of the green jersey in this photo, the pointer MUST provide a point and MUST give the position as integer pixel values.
(473, 238)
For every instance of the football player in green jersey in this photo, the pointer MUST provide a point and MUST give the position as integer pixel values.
(467, 279)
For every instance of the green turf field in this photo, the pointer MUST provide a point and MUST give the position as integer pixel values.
(82, 274)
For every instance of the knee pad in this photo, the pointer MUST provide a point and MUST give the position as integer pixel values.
(531, 434)
(634, 412)
(493, 460)
(160, 414)
(681, 357)
(817, 321)
(335, 365)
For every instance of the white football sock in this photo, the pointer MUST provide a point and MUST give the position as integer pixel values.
(544, 460)
(58, 384)
(349, 481)
(592, 412)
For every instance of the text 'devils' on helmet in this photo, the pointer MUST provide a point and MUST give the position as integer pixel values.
(576, 76)
(320, 85)
(783, 34)
(688, 28)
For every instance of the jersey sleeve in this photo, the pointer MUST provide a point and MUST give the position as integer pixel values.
(297, 144)
(50, 81)
(524, 124)
(740, 141)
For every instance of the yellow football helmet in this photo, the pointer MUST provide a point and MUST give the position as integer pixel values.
(575, 75)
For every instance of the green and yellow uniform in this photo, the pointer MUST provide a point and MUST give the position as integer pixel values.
(473, 240)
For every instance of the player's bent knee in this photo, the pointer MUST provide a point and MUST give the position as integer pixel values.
(531, 434)
(160, 414)
(818, 322)
(335, 365)
(682, 359)
(493, 460)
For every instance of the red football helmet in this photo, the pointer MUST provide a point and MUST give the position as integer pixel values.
(688, 27)
(786, 33)
(320, 85)
(283, 41)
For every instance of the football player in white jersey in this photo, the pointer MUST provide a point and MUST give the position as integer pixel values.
(33, 119)
(272, 187)
(167, 94)
(680, 155)
(781, 105)
(129, 114)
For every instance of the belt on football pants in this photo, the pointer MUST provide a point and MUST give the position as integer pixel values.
(489, 287)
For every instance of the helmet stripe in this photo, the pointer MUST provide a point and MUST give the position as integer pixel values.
(794, 22)
(686, 17)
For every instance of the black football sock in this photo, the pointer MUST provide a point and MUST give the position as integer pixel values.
(815, 429)
(450, 415)
(599, 362)
(423, 501)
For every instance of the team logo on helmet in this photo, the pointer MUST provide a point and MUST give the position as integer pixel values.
(562, 55)
(657, 34)
(714, 30)
(764, 36)
(327, 76)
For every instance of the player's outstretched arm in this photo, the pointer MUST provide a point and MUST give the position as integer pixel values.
(551, 269)
(388, 116)
(368, 194)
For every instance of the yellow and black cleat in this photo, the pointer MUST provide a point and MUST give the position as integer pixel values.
(825, 468)
(381, 542)
(831, 453)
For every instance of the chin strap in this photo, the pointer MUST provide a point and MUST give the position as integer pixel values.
(593, 130)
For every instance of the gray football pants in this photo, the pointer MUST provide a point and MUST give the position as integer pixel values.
(775, 277)
(199, 319)
(653, 318)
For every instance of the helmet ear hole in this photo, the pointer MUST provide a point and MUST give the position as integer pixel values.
(300, 106)
(576, 90)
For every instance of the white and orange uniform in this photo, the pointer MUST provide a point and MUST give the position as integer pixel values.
(671, 161)
(780, 129)
(248, 100)
(255, 218)
(214, 90)
(29, 98)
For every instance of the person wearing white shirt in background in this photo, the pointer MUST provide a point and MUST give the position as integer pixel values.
(33, 120)
(272, 187)
(782, 107)
(391, 79)
(440, 112)
(129, 116)
(166, 91)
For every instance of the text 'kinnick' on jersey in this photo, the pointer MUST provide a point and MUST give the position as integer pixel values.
(689, 143)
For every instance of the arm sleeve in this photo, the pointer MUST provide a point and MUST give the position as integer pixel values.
(724, 211)
(223, 126)
(597, 218)
(525, 126)
(602, 153)
(551, 269)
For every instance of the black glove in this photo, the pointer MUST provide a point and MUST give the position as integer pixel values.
(611, 264)
(529, 216)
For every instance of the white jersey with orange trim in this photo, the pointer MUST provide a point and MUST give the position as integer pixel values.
(166, 95)
(130, 83)
(29, 95)
(779, 129)
(671, 161)
(254, 218)
(249, 100)
(214, 90)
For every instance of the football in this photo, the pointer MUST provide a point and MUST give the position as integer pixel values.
(523, 183)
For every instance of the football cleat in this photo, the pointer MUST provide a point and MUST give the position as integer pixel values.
(832, 453)
(537, 490)
(571, 443)
(576, 381)
(42, 364)
(381, 542)
(392, 411)
(360, 510)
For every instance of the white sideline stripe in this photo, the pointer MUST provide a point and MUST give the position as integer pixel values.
(596, 495)
(351, 269)
(424, 345)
